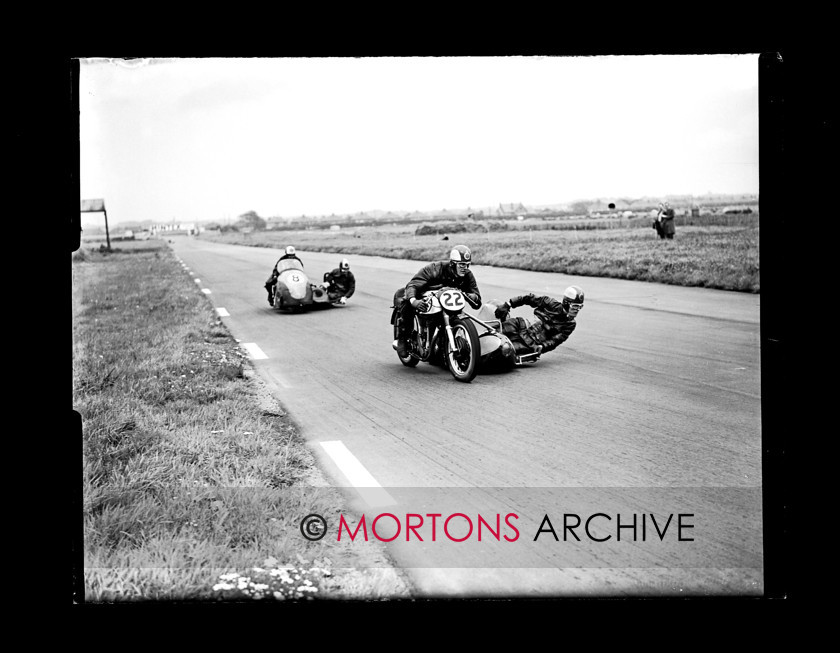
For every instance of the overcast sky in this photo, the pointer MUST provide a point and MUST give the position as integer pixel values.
(212, 138)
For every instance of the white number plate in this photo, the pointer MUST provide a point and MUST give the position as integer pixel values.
(452, 300)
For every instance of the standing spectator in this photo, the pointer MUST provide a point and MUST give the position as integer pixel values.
(667, 221)
(657, 223)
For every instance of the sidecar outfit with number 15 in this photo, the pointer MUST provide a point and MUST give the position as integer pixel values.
(294, 290)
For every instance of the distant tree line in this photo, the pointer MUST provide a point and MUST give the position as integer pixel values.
(249, 221)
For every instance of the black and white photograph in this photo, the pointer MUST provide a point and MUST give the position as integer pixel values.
(420, 328)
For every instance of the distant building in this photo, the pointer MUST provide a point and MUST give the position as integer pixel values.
(511, 210)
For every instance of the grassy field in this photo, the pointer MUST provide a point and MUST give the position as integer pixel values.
(192, 475)
(723, 255)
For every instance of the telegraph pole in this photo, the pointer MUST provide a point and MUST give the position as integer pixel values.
(107, 234)
(97, 206)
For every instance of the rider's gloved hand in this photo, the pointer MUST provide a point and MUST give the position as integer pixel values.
(343, 300)
(419, 305)
(326, 284)
(502, 311)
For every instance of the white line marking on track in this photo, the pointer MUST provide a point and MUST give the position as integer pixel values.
(198, 280)
(359, 477)
(253, 350)
(222, 312)
(206, 291)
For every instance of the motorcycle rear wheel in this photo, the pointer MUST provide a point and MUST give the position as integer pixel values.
(463, 363)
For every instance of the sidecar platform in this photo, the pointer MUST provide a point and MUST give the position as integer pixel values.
(522, 359)
(493, 326)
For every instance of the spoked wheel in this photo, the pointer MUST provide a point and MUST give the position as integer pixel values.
(463, 362)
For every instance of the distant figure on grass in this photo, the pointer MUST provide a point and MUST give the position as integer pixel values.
(340, 283)
(288, 253)
(657, 224)
(665, 221)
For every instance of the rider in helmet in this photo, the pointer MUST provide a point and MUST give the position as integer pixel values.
(454, 273)
(288, 253)
(553, 324)
(340, 283)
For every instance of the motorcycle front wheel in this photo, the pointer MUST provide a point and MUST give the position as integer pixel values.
(463, 362)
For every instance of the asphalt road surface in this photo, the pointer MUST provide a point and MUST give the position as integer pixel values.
(625, 462)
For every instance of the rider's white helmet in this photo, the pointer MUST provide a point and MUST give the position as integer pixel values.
(460, 254)
(344, 265)
(290, 251)
(460, 258)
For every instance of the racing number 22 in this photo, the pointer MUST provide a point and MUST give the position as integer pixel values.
(452, 300)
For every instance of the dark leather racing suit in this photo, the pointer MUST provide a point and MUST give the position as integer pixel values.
(435, 276)
(342, 284)
(551, 328)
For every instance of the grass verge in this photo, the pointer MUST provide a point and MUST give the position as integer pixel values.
(709, 256)
(192, 474)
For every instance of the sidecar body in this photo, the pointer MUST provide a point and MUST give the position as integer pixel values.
(293, 289)
(497, 351)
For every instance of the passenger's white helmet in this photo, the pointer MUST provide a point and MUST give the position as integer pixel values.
(573, 300)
